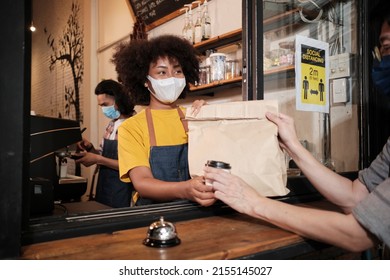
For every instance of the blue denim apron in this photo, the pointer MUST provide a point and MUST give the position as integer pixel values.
(110, 190)
(167, 163)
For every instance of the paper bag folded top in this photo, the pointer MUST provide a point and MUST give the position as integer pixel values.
(239, 133)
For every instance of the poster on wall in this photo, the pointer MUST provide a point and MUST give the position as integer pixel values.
(311, 74)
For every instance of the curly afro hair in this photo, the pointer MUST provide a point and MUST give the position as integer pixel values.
(132, 61)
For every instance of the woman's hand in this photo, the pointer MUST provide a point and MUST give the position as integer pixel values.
(200, 193)
(196, 106)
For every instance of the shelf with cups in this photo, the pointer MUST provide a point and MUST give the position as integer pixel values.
(279, 69)
(271, 24)
(218, 41)
(287, 18)
(275, 71)
(216, 86)
(223, 42)
(279, 45)
(280, 76)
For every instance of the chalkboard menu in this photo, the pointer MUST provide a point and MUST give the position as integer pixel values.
(156, 12)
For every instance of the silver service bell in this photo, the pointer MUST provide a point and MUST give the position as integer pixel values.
(161, 234)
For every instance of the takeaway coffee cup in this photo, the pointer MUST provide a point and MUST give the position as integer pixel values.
(217, 164)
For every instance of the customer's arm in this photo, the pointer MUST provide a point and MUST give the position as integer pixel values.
(335, 228)
(336, 188)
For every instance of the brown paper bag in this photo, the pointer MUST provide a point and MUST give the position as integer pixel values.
(239, 133)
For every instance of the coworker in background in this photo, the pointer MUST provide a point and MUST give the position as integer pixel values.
(153, 145)
(116, 106)
(365, 202)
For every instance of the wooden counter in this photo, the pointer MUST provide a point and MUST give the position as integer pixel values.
(218, 237)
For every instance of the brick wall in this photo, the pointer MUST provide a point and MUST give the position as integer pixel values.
(48, 87)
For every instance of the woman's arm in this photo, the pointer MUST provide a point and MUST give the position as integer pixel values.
(151, 188)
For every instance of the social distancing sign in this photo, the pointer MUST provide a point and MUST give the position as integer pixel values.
(311, 74)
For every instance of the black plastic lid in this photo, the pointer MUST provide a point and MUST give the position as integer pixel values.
(218, 164)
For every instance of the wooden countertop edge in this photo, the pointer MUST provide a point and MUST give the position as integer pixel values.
(55, 252)
(242, 252)
(257, 236)
(228, 236)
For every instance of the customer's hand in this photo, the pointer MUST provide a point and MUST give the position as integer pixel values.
(286, 131)
(232, 190)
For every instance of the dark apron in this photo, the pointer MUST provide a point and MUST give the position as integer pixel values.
(110, 190)
(167, 163)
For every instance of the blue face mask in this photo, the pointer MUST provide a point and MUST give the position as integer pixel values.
(381, 75)
(110, 112)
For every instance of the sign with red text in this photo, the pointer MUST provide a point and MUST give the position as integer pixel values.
(311, 74)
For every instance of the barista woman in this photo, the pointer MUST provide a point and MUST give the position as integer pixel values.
(153, 145)
(116, 106)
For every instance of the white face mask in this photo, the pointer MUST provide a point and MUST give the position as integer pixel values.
(167, 90)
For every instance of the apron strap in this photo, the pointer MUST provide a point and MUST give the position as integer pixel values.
(152, 135)
(183, 120)
(149, 119)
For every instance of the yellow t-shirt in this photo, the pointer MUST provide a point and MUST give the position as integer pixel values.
(133, 138)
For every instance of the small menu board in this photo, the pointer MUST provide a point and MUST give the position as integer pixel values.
(156, 12)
